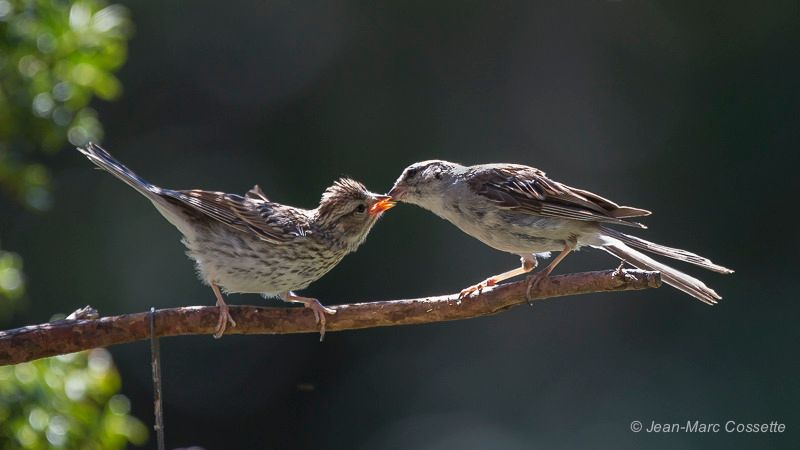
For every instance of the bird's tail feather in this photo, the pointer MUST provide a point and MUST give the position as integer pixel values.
(161, 198)
(105, 161)
(672, 277)
(669, 252)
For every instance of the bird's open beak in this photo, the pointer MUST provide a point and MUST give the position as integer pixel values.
(397, 193)
(384, 203)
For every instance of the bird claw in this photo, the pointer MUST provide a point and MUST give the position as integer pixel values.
(319, 311)
(468, 291)
(222, 321)
(477, 287)
(533, 282)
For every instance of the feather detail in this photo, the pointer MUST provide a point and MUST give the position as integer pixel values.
(256, 194)
(270, 221)
(527, 189)
(671, 276)
(669, 252)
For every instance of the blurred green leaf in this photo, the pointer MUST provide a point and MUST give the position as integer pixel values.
(12, 283)
(55, 56)
(68, 401)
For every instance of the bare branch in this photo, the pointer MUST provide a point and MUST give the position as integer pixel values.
(72, 335)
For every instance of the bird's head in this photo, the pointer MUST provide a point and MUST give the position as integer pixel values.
(424, 182)
(348, 211)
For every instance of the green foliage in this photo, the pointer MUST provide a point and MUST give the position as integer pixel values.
(12, 282)
(67, 401)
(55, 56)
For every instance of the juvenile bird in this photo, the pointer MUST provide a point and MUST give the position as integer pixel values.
(517, 209)
(253, 245)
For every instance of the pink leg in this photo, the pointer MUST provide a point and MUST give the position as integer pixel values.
(528, 264)
(224, 315)
(534, 279)
(314, 305)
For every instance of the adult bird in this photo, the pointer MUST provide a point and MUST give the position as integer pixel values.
(518, 209)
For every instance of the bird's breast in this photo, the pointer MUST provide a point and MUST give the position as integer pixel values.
(243, 263)
(512, 231)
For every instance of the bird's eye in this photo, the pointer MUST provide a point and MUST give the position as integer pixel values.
(361, 208)
(411, 173)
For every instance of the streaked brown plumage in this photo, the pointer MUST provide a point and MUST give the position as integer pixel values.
(249, 244)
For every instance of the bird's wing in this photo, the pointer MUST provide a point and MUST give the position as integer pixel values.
(269, 221)
(527, 189)
(256, 194)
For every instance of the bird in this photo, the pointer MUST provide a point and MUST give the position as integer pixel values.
(250, 244)
(517, 209)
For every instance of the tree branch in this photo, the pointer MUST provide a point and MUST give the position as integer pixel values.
(72, 335)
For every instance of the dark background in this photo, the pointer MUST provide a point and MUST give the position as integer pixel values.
(690, 111)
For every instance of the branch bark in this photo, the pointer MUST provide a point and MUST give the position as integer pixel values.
(72, 335)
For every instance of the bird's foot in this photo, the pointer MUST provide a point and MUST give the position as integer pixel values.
(319, 311)
(224, 315)
(314, 305)
(476, 288)
(222, 321)
(533, 282)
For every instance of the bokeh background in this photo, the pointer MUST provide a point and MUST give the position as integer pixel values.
(688, 110)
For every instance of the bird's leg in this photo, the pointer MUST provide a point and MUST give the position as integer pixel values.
(528, 264)
(534, 279)
(314, 305)
(224, 315)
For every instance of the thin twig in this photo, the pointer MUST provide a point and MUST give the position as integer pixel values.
(66, 336)
(155, 361)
